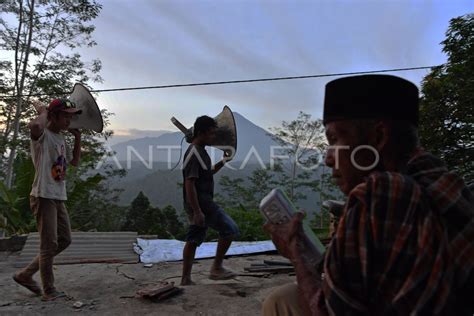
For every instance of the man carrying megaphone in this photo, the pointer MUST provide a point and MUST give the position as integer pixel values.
(48, 194)
(203, 212)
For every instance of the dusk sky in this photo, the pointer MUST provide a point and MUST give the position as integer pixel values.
(154, 42)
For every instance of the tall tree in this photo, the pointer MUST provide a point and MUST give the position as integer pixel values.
(42, 42)
(170, 225)
(143, 218)
(246, 193)
(447, 105)
(42, 38)
(303, 142)
(138, 216)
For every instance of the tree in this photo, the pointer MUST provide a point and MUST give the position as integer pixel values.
(42, 44)
(234, 192)
(327, 190)
(143, 218)
(170, 226)
(247, 193)
(92, 204)
(446, 111)
(137, 218)
(303, 142)
(14, 203)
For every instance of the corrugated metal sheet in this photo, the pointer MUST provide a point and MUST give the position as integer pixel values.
(87, 247)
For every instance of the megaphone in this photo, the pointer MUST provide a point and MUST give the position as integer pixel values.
(90, 118)
(226, 133)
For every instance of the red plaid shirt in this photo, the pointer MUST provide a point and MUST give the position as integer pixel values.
(404, 245)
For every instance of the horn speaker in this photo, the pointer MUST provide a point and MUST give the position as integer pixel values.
(90, 118)
(226, 133)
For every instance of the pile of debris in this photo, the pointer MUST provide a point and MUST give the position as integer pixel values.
(159, 292)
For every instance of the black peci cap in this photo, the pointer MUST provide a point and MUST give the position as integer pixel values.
(369, 97)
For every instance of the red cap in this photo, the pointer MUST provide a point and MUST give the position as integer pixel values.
(63, 105)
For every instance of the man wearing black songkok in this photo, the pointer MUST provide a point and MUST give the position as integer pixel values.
(403, 244)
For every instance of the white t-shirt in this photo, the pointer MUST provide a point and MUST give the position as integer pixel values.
(49, 157)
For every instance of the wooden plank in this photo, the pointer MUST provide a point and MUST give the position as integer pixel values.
(274, 269)
(277, 263)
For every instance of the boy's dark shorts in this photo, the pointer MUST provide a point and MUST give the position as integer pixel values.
(217, 220)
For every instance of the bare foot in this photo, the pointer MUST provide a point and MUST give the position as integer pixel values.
(221, 274)
(187, 281)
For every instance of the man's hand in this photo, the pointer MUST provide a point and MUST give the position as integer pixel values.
(38, 124)
(39, 107)
(292, 243)
(227, 157)
(75, 132)
(198, 218)
(288, 238)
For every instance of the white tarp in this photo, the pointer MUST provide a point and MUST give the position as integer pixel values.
(160, 250)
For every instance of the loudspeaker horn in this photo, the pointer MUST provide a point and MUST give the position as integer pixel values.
(90, 118)
(226, 133)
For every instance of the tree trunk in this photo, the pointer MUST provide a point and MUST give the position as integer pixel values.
(46, 51)
(16, 130)
(293, 176)
(321, 188)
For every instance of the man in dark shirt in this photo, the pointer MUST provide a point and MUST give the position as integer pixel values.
(203, 212)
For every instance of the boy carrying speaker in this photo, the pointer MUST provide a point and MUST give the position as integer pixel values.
(203, 212)
(48, 194)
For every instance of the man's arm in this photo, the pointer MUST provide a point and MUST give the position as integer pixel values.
(38, 124)
(309, 280)
(76, 153)
(293, 244)
(192, 199)
(218, 166)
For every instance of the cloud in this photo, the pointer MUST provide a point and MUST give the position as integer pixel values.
(166, 42)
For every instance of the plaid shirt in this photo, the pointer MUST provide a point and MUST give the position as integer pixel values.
(404, 245)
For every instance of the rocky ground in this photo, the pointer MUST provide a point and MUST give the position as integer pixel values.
(109, 289)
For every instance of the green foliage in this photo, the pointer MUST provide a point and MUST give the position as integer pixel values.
(92, 204)
(41, 37)
(45, 36)
(10, 217)
(303, 142)
(143, 218)
(247, 193)
(170, 226)
(446, 110)
(137, 218)
(321, 233)
(249, 221)
(15, 212)
(25, 173)
(320, 223)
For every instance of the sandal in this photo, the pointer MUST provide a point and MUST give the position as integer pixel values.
(52, 296)
(30, 284)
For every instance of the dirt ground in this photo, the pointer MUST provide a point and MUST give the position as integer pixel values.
(108, 289)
